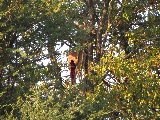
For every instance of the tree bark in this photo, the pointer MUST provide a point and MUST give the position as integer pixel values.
(100, 31)
(57, 68)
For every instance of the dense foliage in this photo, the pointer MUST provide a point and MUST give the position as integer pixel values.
(121, 70)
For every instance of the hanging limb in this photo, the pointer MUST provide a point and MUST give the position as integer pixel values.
(72, 72)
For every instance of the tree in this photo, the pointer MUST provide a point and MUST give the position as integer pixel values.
(121, 43)
(27, 29)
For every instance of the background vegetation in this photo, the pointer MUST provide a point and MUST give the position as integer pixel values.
(121, 40)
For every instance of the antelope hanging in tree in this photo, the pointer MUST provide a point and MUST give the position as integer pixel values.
(76, 64)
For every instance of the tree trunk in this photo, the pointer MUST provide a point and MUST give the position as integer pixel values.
(57, 68)
(89, 52)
